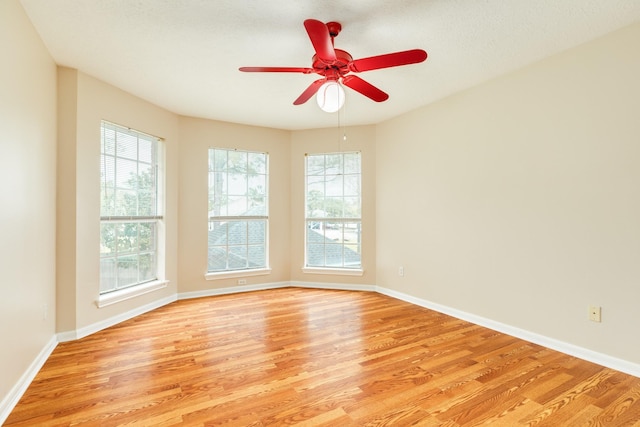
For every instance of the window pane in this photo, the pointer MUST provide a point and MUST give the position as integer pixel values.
(218, 189)
(237, 205)
(257, 192)
(352, 163)
(352, 207)
(127, 237)
(237, 184)
(257, 207)
(147, 236)
(220, 160)
(145, 179)
(315, 231)
(126, 174)
(217, 258)
(334, 207)
(315, 197)
(237, 257)
(257, 232)
(333, 164)
(126, 203)
(257, 163)
(107, 238)
(237, 232)
(334, 256)
(315, 165)
(147, 267)
(237, 162)
(334, 185)
(351, 185)
(333, 232)
(218, 233)
(108, 274)
(257, 256)
(352, 256)
(352, 245)
(108, 142)
(315, 255)
(146, 203)
(145, 153)
(126, 146)
(108, 170)
(127, 270)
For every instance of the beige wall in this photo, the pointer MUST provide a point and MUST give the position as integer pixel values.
(358, 138)
(196, 137)
(519, 200)
(84, 102)
(27, 195)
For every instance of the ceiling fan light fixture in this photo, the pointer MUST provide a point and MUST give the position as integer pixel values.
(330, 96)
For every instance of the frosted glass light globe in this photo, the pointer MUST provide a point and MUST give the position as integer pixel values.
(330, 96)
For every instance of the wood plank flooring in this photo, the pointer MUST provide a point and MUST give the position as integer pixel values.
(317, 358)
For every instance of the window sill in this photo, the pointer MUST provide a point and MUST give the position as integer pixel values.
(128, 293)
(237, 273)
(333, 271)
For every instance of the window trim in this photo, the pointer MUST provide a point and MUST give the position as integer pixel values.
(334, 271)
(232, 274)
(129, 292)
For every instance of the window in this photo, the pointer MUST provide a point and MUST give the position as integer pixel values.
(129, 216)
(238, 210)
(333, 211)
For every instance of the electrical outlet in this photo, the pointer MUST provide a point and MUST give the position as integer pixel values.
(595, 313)
(242, 282)
(401, 271)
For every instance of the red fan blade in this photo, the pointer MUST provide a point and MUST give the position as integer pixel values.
(309, 92)
(276, 70)
(321, 40)
(389, 60)
(365, 88)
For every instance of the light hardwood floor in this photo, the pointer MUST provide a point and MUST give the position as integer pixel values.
(317, 358)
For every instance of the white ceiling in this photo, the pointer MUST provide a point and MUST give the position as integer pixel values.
(184, 55)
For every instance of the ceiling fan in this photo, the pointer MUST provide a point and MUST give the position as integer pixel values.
(335, 65)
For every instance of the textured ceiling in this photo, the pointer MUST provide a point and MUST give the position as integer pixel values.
(184, 55)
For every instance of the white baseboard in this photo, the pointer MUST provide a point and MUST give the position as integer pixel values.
(233, 290)
(273, 285)
(98, 326)
(334, 286)
(561, 346)
(11, 400)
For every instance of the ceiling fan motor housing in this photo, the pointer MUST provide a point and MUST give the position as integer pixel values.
(341, 64)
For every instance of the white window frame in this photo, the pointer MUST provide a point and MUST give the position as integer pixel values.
(113, 217)
(236, 216)
(322, 217)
